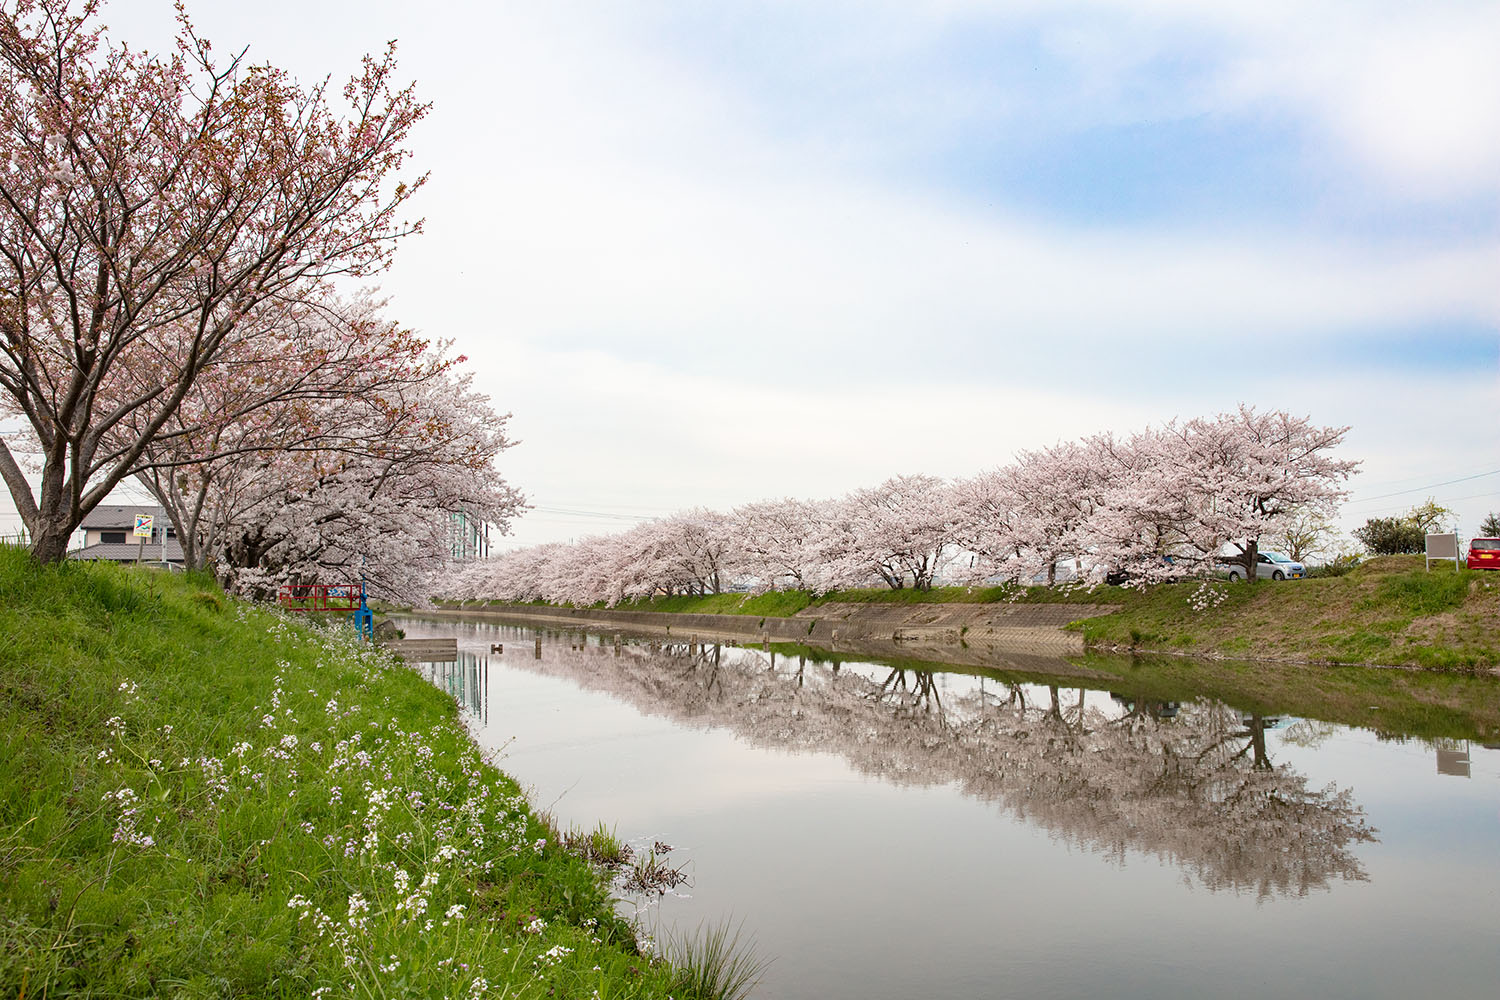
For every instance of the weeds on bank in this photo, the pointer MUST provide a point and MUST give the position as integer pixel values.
(203, 798)
(715, 962)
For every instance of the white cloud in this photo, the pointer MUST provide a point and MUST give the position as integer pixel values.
(683, 305)
(1409, 92)
(613, 435)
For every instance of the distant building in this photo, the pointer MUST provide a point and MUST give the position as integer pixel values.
(108, 536)
(468, 536)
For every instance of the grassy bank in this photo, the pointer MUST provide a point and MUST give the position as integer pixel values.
(198, 798)
(1388, 611)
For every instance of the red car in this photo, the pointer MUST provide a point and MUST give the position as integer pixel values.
(1484, 553)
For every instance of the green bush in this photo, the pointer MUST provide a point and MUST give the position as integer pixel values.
(1340, 566)
(1391, 536)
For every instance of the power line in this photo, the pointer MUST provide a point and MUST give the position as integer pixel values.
(633, 519)
(1447, 500)
(612, 506)
(1419, 489)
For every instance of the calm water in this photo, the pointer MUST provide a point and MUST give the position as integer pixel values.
(893, 833)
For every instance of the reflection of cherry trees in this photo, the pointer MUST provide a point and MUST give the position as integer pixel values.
(1192, 784)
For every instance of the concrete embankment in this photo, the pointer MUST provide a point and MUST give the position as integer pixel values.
(914, 630)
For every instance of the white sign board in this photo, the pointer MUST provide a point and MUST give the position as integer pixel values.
(1442, 546)
(143, 525)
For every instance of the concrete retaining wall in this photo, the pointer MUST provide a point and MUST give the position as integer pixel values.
(938, 630)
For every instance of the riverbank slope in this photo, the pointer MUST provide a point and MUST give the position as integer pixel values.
(199, 797)
(1387, 612)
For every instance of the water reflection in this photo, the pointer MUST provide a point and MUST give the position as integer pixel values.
(1192, 783)
(467, 680)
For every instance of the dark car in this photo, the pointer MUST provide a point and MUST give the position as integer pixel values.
(1484, 553)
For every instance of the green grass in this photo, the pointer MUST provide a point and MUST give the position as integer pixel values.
(600, 846)
(716, 963)
(786, 603)
(200, 798)
(1389, 611)
(776, 604)
(1424, 593)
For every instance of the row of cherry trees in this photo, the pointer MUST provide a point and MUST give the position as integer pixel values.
(173, 230)
(1160, 504)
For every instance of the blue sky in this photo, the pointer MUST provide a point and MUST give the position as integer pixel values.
(709, 253)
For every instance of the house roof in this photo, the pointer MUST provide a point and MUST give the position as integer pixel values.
(129, 551)
(117, 516)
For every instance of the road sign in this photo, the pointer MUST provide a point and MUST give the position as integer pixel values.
(143, 525)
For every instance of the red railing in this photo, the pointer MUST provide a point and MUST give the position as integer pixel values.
(321, 596)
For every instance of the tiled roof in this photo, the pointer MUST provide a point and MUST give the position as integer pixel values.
(116, 516)
(128, 551)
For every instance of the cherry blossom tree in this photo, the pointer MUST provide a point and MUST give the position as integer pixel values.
(384, 510)
(902, 531)
(326, 376)
(779, 543)
(985, 529)
(1025, 518)
(696, 551)
(1135, 532)
(149, 207)
(1244, 474)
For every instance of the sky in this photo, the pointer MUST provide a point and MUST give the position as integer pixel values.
(706, 254)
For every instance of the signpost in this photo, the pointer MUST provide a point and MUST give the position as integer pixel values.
(1442, 546)
(143, 523)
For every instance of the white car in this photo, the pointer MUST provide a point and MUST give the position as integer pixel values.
(1270, 566)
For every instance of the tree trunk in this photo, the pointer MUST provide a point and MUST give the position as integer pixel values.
(55, 517)
(1260, 759)
(50, 542)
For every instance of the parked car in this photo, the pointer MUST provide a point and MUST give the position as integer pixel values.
(1484, 553)
(1270, 566)
(1116, 577)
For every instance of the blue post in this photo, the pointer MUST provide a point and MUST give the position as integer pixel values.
(363, 617)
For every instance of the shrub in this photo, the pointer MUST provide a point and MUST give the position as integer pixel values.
(1390, 536)
(1338, 566)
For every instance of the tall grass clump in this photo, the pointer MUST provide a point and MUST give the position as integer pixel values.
(714, 964)
(203, 798)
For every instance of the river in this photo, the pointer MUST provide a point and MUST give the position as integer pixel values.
(882, 831)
